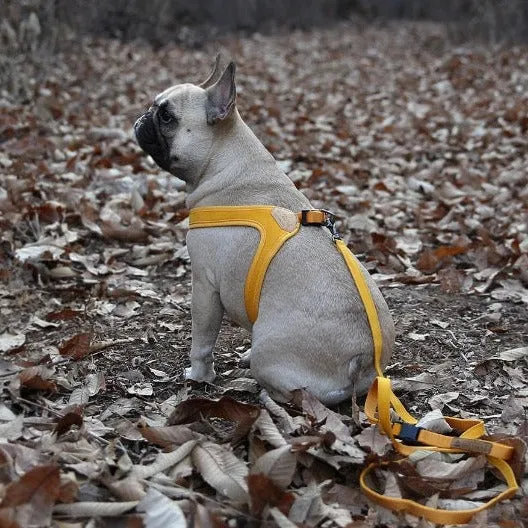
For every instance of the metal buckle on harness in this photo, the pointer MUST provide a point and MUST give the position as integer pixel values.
(328, 222)
(409, 433)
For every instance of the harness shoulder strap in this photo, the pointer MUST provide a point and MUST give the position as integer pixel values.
(275, 225)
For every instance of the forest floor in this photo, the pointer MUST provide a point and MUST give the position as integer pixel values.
(421, 149)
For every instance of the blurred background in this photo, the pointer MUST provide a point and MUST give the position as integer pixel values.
(31, 31)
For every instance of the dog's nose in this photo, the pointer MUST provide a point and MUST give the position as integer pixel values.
(141, 126)
(138, 122)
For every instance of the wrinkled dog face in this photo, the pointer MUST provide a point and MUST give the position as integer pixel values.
(174, 130)
(177, 130)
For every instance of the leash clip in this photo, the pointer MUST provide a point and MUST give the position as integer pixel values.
(328, 221)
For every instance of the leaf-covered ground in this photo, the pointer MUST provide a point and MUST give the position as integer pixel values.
(421, 148)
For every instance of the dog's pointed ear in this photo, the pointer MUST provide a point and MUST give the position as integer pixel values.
(221, 96)
(214, 72)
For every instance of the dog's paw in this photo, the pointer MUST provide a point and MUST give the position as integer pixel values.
(245, 359)
(200, 374)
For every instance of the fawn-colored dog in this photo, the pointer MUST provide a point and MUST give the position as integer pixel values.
(311, 331)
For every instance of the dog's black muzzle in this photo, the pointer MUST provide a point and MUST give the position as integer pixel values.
(150, 141)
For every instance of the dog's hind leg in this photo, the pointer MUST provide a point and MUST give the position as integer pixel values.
(333, 397)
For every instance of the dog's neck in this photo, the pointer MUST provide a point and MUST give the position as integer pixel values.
(241, 171)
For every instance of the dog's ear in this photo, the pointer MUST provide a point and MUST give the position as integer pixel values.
(213, 74)
(221, 96)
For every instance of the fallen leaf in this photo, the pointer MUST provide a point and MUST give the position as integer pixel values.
(278, 465)
(433, 468)
(434, 421)
(13, 429)
(39, 487)
(513, 354)
(167, 436)
(439, 400)
(268, 430)
(141, 389)
(160, 511)
(512, 410)
(320, 413)
(10, 341)
(79, 396)
(417, 337)
(70, 419)
(518, 460)
(37, 378)
(77, 347)
(243, 414)
(374, 441)
(222, 470)
(264, 492)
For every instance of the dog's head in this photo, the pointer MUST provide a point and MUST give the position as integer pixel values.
(180, 127)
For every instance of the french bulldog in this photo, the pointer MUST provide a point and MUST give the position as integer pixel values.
(312, 331)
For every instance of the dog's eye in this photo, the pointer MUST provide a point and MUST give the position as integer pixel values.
(165, 116)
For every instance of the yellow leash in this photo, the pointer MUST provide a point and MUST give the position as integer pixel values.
(276, 225)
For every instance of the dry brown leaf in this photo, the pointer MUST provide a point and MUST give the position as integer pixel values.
(11, 341)
(63, 315)
(167, 436)
(132, 233)
(243, 414)
(37, 378)
(268, 431)
(77, 347)
(410, 480)
(430, 260)
(512, 354)
(372, 439)
(127, 489)
(453, 280)
(300, 444)
(351, 497)
(13, 429)
(72, 418)
(518, 460)
(264, 492)
(438, 401)
(164, 461)
(205, 518)
(321, 414)
(286, 422)
(69, 489)
(39, 488)
(7, 519)
(432, 468)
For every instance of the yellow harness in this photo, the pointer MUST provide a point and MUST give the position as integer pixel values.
(276, 225)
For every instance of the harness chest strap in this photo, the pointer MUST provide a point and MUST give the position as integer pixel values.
(276, 225)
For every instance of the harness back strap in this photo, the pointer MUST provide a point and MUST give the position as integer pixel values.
(276, 225)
